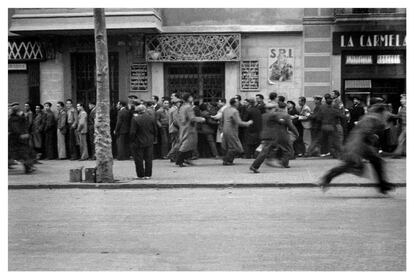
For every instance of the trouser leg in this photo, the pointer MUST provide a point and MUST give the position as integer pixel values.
(74, 154)
(121, 148)
(164, 141)
(346, 167)
(174, 146)
(307, 139)
(83, 146)
(284, 154)
(401, 148)
(61, 145)
(148, 156)
(267, 145)
(139, 161)
(377, 164)
(91, 141)
(315, 147)
(212, 143)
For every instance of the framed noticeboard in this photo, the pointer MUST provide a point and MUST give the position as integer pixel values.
(249, 75)
(138, 77)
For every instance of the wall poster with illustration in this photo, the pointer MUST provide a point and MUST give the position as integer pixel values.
(280, 64)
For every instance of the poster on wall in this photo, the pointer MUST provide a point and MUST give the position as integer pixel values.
(139, 77)
(280, 64)
(249, 75)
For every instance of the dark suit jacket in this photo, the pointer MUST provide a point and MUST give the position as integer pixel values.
(91, 120)
(143, 130)
(253, 131)
(275, 126)
(122, 122)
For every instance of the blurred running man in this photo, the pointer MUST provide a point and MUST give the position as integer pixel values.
(361, 145)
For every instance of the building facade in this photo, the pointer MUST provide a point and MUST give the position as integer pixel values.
(211, 53)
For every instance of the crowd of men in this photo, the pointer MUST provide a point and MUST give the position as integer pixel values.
(180, 129)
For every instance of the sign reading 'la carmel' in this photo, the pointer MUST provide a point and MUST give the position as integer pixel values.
(368, 40)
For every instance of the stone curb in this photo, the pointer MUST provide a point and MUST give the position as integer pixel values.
(177, 186)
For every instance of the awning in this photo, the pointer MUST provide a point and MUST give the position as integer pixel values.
(66, 21)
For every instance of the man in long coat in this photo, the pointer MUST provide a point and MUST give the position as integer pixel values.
(231, 122)
(188, 130)
(252, 133)
(173, 127)
(38, 128)
(361, 145)
(50, 132)
(91, 129)
(121, 131)
(82, 131)
(61, 130)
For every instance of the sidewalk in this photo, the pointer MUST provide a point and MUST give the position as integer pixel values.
(205, 173)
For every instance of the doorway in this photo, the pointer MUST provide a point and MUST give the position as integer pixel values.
(83, 67)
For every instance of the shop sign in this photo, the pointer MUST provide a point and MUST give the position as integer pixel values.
(139, 77)
(280, 64)
(368, 40)
(17, 66)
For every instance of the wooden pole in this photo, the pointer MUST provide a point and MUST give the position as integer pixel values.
(103, 142)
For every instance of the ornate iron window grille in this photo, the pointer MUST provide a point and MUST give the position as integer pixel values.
(25, 50)
(193, 47)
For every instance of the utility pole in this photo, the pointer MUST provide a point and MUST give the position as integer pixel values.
(103, 141)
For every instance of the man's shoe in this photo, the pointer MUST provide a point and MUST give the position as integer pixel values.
(323, 184)
(228, 163)
(386, 187)
(28, 170)
(254, 170)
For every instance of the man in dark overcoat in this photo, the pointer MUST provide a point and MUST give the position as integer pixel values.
(121, 131)
(142, 135)
(19, 138)
(252, 133)
(50, 132)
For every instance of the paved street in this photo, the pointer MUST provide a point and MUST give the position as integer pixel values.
(208, 172)
(207, 229)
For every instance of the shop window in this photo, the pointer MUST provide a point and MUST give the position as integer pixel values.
(358, 59)
(357, 84)
(389, 59)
